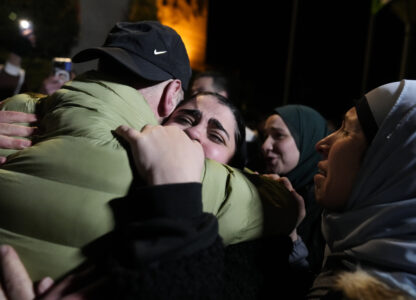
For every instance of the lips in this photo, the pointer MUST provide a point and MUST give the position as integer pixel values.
(271, 164)
(321, 169)
(270, 158)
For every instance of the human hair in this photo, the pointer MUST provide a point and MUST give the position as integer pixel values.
(239, 158)
(220, 82)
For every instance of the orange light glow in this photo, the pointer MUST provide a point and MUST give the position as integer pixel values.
(190, 21)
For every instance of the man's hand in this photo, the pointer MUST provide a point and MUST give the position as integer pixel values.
(164, 155)
(8, 130)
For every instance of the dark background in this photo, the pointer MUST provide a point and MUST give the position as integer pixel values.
(251, 43)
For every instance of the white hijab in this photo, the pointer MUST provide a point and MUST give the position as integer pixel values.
(378, 226)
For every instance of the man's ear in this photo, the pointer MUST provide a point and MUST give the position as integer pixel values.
(171, 96)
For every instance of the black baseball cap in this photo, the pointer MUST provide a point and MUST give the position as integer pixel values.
(149, 49)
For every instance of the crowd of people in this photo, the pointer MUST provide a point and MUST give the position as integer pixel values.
(13, 78)
(137, 181)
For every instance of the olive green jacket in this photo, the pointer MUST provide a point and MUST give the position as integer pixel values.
(54, 195)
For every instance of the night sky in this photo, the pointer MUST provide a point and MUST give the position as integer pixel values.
(251, 45)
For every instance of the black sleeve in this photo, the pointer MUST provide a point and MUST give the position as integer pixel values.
(164, 246)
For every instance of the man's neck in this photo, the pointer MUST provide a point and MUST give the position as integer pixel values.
(152, 99)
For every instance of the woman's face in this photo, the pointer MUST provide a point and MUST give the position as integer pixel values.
(209, 122)
(279, 148)
(342, 152)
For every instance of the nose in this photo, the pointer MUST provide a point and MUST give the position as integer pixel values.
(323, 146)
(267, 145)
(194, 133)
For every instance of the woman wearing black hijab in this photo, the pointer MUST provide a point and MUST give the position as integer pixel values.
(290, 135)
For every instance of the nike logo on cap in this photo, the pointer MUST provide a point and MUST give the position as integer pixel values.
(159, 52)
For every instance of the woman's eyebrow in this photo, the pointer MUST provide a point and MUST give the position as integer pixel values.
(276, 129)
(195, 113)
(217, 124)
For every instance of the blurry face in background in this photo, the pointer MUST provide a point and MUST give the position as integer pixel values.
(342, 152)
(279, 148)
(211, 123)
(205, 84)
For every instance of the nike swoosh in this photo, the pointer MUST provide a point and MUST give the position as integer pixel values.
(159, 52)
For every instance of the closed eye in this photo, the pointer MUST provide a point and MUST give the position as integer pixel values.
(216, 126)
(184, 120)
(276, 133)
(187, 117)
(343, 130)
(217, 138)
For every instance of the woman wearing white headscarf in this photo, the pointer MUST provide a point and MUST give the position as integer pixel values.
(366, 183)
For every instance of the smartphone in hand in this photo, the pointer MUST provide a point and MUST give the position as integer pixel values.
(61, 68)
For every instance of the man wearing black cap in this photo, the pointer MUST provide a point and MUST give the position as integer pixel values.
(142, 72)
(78, 165)
(149, 49)
(147, 56)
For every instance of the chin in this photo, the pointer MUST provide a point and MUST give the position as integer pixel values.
(318, 199)
(322, 203)
(320, 196)
(330, 204)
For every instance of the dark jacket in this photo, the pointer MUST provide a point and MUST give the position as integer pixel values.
(173, 251)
